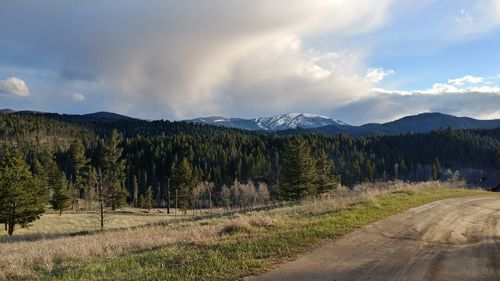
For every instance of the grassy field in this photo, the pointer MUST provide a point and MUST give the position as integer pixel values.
(52, 224)
(224, 248)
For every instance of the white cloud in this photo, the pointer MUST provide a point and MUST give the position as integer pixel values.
(14, 86)
(77, 97)
(466, 79)
(443, 88)
(465, 85)
(377, 74)
(385, 91)
(463, 17)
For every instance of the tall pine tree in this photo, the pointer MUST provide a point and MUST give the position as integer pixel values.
(183, 182)
(22, 198)
(436, 170)
(298, 175)
(326, 178)
(148, 198)
(61, 194)
(79, 169)
(113, 169)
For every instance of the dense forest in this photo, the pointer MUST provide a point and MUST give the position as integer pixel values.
(151, 150)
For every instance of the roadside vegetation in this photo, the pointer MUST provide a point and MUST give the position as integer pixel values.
(216, 246)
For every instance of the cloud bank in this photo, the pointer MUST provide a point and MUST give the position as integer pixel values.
(182, 59)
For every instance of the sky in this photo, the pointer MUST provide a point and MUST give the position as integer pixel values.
(355, 60)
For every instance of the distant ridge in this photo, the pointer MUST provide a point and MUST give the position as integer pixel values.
(7, 111)
(420, 123)
(303, 123)
(104, 115)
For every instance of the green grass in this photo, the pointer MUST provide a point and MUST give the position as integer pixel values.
(252, 250)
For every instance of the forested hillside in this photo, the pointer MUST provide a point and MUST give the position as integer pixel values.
(151, 149)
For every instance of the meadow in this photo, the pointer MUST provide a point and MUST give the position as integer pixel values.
(51, 224)
(209, 247)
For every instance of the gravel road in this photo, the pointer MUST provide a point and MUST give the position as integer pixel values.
(453, 239)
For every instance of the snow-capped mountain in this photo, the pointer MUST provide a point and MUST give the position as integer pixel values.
(295, 120)
(274, 123)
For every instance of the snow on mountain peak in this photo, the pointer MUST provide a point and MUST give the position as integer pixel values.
(295, 120)
(273, 123)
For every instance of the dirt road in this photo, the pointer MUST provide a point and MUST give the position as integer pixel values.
(454, 239)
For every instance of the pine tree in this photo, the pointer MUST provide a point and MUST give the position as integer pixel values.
(298, 175)
(61, 195)
(370, 170)
(113, 168)
(326, 179)
(436, 170)
(183, 181)
(22, 198)
(78, 169)
(41, 175)
(148, 198)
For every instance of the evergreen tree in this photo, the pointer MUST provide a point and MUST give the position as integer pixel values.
(326, 179)
(113, 168)
(22, 198)
(436, 170)
(370, 170)
(41, 175)
(148, 198)
(61, 195)
(78, 170)
(298, 175)
(184, 182)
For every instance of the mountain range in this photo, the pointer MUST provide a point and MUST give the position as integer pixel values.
(273, 123)
(302, 123)
(299, 123)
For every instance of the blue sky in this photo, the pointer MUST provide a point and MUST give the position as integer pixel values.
(355, 60)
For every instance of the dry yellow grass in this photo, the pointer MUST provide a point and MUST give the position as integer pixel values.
(18, 258)
(52, 224)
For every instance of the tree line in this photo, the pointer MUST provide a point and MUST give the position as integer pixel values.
(26, 191)
(78, 163)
